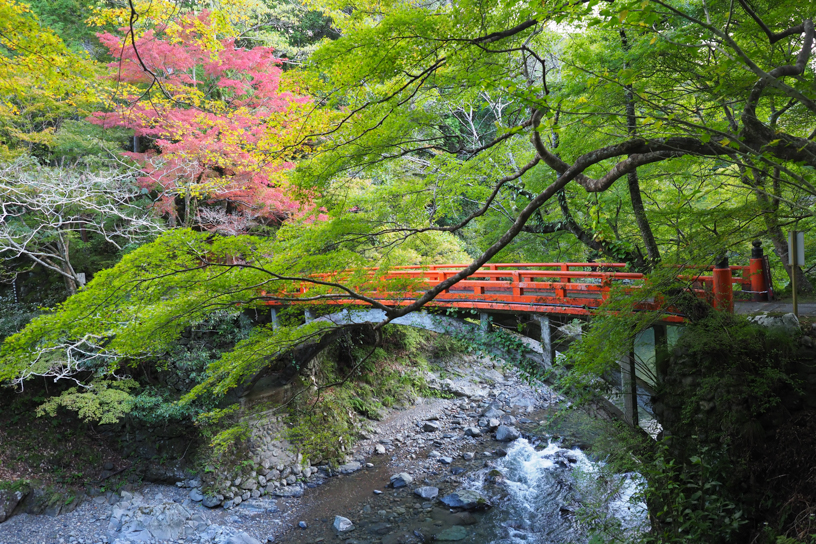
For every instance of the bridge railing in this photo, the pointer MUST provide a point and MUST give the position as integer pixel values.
(542, 287)
(533, 287)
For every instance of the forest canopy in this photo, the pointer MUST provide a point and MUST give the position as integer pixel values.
(252, 146)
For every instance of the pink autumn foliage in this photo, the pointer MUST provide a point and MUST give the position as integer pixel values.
(216, 117)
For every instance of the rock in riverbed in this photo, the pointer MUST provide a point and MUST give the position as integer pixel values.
(427, 492)
(507, 434)
(430, 426)
(403, 479)
(350, 468)
(342, 525)
(466, 499)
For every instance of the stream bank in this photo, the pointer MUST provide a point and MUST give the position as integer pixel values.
(444, 443)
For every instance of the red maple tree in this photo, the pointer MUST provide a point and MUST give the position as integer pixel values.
(221, 131)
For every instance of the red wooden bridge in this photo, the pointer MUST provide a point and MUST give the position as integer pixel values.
(533, 292)
(577, 289)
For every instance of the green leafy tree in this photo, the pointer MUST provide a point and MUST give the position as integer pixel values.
(655, 96)
(494, 126)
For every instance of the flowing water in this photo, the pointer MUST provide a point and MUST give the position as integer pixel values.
(543, 487)
(536, 491)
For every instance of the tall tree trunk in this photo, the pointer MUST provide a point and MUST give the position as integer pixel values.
(768, 200)
(632, 178)
(69, 275)
(780, 241)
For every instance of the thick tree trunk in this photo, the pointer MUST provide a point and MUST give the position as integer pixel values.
(633, 181)
(778, 239)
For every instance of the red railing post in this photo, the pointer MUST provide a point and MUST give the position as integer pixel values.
(514, 284)
(723, 290)
(759, 285)
(562, 292)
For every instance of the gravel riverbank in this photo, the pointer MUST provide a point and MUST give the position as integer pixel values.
(435, 444)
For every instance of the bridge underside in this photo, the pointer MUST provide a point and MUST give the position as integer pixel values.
(542, 337)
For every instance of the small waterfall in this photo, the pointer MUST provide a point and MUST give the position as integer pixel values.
(543, 488)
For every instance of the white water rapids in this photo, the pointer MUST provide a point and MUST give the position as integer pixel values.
(542, 490)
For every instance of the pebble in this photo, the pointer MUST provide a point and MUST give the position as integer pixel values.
(342, 525)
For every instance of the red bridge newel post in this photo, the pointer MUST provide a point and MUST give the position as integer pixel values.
(759, 285)
(723, 290)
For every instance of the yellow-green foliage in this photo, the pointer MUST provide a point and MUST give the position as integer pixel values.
(140, 307)
(41, 80)
(227, 440)
(104, 401)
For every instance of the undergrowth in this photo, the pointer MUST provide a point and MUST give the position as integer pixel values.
(325, 423)
(735, 461)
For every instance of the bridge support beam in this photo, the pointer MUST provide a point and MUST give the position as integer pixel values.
(629, 388)
(661, 347)
(546, 339)
(484, 321)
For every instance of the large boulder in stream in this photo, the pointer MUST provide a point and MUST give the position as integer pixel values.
(507, 434)
(466, 499)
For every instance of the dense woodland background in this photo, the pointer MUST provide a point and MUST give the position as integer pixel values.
(163, 162)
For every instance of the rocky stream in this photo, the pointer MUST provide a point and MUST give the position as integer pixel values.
(473, 468)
